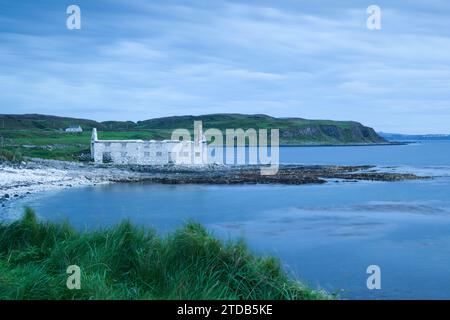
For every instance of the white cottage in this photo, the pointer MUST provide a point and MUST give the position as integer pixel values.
(150, 152)
(74, 129)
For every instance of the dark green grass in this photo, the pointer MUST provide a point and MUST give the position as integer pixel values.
(127, 262)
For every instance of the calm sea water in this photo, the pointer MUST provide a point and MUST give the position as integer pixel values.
(325, 235)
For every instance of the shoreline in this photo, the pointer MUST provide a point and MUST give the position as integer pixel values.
(39, 175)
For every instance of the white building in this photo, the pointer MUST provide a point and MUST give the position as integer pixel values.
(75, 129)
(150, 152)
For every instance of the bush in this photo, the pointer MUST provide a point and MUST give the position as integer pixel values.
(10, 156)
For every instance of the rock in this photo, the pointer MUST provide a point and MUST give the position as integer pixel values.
(46, 174)
(287, 174)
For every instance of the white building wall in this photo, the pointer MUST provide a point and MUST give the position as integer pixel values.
(148, 152)
(76, 130)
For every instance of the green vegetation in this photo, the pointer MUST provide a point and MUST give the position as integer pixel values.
(11, 156)
(44, 137)
(126, 262)
(61, 145)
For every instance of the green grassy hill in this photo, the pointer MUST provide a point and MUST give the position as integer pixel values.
(43, 136)
(41, 122)
(292, 130)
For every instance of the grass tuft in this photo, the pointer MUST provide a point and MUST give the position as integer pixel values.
(13, 156)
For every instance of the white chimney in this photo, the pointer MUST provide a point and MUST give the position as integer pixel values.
(94, 135)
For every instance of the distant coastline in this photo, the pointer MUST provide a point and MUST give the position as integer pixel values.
(414, 137)
(393, 143)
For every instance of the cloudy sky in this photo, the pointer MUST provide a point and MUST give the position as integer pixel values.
(139, 59)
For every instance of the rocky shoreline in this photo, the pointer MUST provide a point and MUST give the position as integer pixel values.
(287, 174)
(37, 175)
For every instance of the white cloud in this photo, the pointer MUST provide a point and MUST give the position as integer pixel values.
(153, 59)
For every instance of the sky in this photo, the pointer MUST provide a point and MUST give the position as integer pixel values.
(140, 59)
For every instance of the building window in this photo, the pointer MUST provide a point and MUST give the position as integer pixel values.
(108, 144)
(186, 154)
(197, 154)
(124, 145)
(172, 156)
(147, 154)
(106, 157)
(146, 146)
(159, 154)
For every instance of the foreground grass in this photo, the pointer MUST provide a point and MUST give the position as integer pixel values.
(127, 262)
